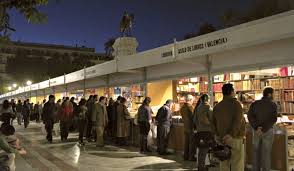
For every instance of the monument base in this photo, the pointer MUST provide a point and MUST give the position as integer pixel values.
(125, 46)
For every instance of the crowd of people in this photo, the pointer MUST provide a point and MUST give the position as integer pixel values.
(207, 127)
(98, 117)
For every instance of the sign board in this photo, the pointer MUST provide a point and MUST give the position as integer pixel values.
(92, 71)
(35, 87)
(27, 88)
(57, 81)
(44, 84)
(75, 76)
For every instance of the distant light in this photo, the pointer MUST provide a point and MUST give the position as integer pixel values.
(9, 88)
(29, 83)
(14, 85)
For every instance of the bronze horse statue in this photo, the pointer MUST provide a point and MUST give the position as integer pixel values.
(126, 24)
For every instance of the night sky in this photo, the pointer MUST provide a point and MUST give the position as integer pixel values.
(92, 22)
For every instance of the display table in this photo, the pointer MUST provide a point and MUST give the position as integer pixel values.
(177, 139)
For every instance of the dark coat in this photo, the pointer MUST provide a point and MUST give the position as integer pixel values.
(187, 115)
(123, 121)
(263, 113)
(49, 111)
(164, 116)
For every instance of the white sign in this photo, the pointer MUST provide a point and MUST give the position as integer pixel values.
(35, 87)
(91, 72)
(28, 88)
(57, 81)
(75, 76)
(44, 84)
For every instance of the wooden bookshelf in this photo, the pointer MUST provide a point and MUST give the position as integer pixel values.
(283, 95)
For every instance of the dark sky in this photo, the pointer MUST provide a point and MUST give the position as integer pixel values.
(94, 21)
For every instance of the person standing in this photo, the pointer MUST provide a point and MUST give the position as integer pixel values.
(18, 112)
(74, 121)
(164, 121)
(83, 119)
(37, 112)
(13, 106)
(99, 119)
(114, 117)
(262, 117)
(229, 126)
(203, 123)
(109, 113)
(187, 115)
(123, 122)
(65, 117)
(144, 119)
(90, 104)
(26, 112)
(48, 115)
(58, 110)
(42, 106)
(7, 113)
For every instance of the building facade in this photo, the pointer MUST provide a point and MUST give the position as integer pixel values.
(46, 51)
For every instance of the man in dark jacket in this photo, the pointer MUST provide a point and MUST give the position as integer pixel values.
(48, 115)
(74, 124)
(26, 112)
(262, 116)
(89, 104)
(164, 121)
(114, 116)
(13, 106)
(144, 120)
(18, 112)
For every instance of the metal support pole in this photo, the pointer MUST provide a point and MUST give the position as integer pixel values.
(84, 81)
(145, 83)
(65, 85)
(30, 92)
(107, 85)
(210, 79)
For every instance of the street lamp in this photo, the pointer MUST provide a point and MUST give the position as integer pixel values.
(14, 85)
(29, 83)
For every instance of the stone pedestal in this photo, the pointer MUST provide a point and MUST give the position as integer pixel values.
(125, 46)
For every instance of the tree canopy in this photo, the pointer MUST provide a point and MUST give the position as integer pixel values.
(23, 67)
(28, 8)
(258, 9)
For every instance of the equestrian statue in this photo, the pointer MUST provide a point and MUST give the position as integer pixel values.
(126, 24)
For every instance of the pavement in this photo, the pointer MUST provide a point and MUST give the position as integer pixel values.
(69, 156)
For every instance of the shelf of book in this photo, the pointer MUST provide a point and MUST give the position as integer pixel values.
(247, 90)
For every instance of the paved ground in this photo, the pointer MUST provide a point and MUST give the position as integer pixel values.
(70, 157)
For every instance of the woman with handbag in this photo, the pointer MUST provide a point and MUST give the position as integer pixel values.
(204, 137)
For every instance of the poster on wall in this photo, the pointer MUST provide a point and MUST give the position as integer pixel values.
(291, 71)
(117, 91)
